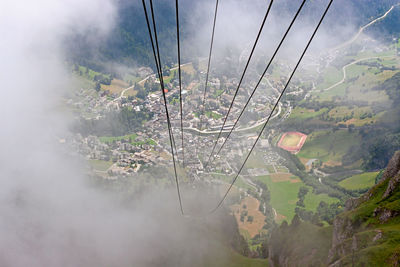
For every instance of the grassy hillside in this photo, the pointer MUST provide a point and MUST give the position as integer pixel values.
(366, 234)
(128, 42)
(327, 145)
(222, 255)
(375, 229)
(300, 244)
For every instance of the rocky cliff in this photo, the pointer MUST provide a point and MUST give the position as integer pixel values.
(368, 232)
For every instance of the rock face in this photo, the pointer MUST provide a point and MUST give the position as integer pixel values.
(343, 231)
(393, 173)
(351, 224)
(393, 166)
(366, 234)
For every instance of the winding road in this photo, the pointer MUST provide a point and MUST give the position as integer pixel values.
(348, 65)
(141, 81)
(355, 37)
(258, 123)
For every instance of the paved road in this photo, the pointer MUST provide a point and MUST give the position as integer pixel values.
(141, 81)
(260, 122)
(348, 65)
(355, 37)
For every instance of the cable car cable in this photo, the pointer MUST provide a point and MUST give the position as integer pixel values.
(163, 93)
(161, 75)
(180, 79)
(210, 52)
(240, 81)
(276, 104)
(262, 76)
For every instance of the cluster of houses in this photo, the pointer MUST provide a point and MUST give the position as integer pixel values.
(128, 158)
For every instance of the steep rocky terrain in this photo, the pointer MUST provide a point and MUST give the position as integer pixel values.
(367, 233)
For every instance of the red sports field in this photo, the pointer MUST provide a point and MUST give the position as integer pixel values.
(292, 141)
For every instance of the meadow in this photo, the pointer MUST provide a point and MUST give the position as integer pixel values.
(284, 196)
(303, 113)
(359, 181)
(130, 137)
(116, 86)
(328, 145)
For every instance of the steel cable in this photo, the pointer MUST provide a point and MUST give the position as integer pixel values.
(276, 104)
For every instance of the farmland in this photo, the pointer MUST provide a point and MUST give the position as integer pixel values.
(360, 181)
(328, 145)
(248, 216)
(284, 196)
(361, 76)
(303, 113)
(116, 86)
(131, 138)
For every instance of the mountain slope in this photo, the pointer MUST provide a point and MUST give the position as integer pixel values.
(366, 234)
(369, 232)
(129, 43)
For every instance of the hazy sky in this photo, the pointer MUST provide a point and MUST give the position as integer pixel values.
(49, 217)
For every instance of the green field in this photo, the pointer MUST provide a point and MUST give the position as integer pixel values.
(365, 227)
(339, 90)
(225, 256)
(284, 197)
(328, 145)
(130, 137)
(342, 111)
(359, 181)
(213, 115)
(110, 139)
(361, 78)
(302, 113)
(228, 179)
(331, 76)
(312, 201)
(89, 73)
(357, 116)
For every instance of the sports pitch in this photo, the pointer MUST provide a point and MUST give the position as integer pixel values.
(292, 141)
